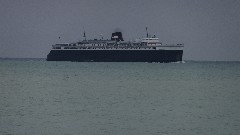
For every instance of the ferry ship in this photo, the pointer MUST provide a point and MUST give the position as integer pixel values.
(148, 49)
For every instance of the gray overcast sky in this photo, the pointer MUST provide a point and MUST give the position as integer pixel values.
(210, 29)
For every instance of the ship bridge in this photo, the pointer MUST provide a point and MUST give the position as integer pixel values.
(151, 41)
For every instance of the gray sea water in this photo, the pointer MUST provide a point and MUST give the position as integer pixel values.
(70, 98)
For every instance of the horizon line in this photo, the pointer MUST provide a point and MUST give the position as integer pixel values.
(183, 60)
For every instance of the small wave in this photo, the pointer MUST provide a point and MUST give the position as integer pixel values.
(179, 62)
(167, 62)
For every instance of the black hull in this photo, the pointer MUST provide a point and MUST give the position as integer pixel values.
(116, 55)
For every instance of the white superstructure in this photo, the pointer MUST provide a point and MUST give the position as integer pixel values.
(145, 44)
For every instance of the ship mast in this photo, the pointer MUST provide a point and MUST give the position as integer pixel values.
(84, 35)
(147, 32)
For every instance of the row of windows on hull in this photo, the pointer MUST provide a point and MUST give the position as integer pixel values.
(142, 44)
(104, 48)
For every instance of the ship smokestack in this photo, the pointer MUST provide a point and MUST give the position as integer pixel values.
(117, 36)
